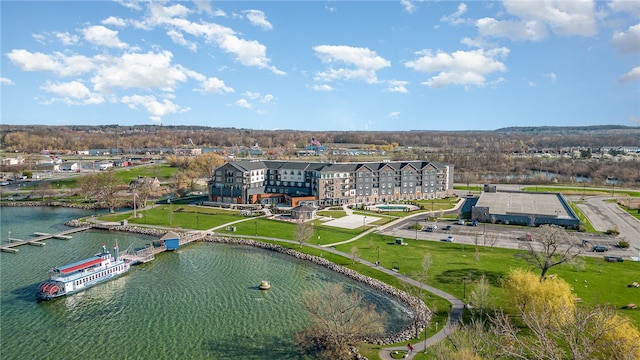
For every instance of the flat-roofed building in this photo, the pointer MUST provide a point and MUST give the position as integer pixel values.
(524, 208)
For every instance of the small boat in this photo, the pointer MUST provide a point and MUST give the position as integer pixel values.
(264, 285)
(81, 275)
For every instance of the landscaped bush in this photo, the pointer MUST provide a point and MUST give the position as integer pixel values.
(623, 244)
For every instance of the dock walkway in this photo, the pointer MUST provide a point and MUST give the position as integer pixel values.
(37, 241)
(148, 253)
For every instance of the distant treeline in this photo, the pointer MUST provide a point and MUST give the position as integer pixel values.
(34, 138)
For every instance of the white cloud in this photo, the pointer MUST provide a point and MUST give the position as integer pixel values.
(39, 38)
(534, 19)
(563, 17)
(633, 75)
(267, 99)
(6, 81)
(459, 67)
(57, 63)
(216, 86)
(114, 21)
(247, 52)
(102, 36)
(179, 39)
(397, 86)
(66, 39)
(628, 6)
(455, 18)
(72, 92)
(629, 41)
(130, 4)
(135, 70)
(408, 6)
(156, 109)
(551, 76)
(365, 61)
(251, 95)
(516, 30)
(395, 115)
(258, 18)
(243, 103)
(323, 87)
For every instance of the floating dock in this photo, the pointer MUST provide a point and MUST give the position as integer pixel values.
(37, 241)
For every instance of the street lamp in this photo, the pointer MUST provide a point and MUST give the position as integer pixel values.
(378, 248)
(464, 288)
(256, 225)
(197, 223)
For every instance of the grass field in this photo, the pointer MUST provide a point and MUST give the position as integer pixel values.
(455, 269)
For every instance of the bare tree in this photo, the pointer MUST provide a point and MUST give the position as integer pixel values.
(303, 232)
(491, 239)
(552, 246)
(480, 296)
(338, 320)
(354, 254)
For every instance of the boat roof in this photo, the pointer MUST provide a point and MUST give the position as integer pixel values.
(79, 265)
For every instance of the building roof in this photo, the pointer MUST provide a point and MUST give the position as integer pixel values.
(520, 203)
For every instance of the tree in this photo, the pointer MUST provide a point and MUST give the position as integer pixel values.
(338, 319)
(184, 181)
(552, 246)
(204, 164)
(354, 254)
(303, 232)
(480, 296)
(102, 186)
(107, 186)
(532, 297)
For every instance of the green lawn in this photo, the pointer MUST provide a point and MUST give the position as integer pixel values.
(600, 281)
(576, 190)
(162, 171)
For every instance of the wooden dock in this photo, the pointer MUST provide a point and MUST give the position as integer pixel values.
(148, 253)
(37, 241)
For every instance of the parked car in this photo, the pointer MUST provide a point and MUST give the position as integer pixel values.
(448, 239)
(599, 248)
(431, 228)
(460, 222)
(447, 228)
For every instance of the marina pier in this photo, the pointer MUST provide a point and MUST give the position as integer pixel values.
(38, 240)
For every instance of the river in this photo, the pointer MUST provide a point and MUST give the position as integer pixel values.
(200, 302)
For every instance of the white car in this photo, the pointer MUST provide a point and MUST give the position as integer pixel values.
(448, 239)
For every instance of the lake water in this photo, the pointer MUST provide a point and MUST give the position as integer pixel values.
(200, 302)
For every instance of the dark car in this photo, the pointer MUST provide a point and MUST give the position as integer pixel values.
(446, 228)
(599, 248)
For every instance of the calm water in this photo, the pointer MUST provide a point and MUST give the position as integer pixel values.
(200, 302)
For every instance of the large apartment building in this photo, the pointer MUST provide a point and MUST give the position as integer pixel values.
(324, 184)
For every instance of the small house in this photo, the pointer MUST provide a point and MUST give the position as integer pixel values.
(171, 241)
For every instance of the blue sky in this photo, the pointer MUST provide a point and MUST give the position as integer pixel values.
(321, 65)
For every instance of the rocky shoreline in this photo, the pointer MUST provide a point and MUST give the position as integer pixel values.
(421, 314)
(50, 203)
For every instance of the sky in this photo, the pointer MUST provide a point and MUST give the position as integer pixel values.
(321, 65)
